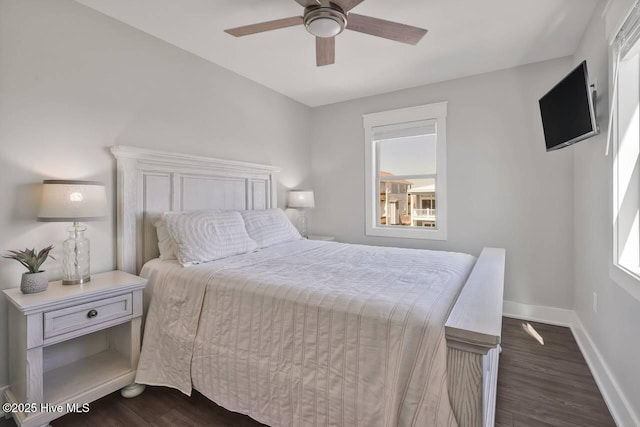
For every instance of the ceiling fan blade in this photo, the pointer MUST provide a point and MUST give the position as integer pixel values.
(306, 3)
(385, 29)
(325, 51)
(347, 5)
(265, 26)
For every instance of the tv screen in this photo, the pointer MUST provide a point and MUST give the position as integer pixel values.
(568, 113)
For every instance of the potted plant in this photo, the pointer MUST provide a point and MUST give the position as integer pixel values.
(34, 280)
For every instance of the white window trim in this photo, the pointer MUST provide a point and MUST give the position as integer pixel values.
(629, 279)
(624, 277)
(438, 112)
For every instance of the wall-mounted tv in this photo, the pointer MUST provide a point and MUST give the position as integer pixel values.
(568, 111)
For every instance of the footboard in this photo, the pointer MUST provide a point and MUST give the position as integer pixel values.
(473, 332)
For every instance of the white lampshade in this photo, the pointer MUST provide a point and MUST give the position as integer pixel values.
(72, 201)
(301, 199)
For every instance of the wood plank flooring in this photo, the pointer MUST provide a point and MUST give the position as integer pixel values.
(546, 385)
(538, 386)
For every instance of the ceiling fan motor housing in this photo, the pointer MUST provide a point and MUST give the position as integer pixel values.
(325, 21)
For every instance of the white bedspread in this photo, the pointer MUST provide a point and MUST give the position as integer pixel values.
(308, 333)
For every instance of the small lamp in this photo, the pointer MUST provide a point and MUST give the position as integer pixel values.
(74, 201)
(302, 200)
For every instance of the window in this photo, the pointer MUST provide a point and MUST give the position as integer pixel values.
(626, 146)
(406, 182)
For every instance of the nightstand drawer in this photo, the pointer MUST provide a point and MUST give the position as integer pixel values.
(81, 316)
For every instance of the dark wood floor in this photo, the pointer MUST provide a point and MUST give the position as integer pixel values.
(538, 386)
(546, 385)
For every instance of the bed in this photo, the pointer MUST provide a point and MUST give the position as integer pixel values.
(308, 332)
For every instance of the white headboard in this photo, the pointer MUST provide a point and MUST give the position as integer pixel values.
(151, 182)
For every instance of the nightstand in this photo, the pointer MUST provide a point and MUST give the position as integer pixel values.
(73, 344)
(318, 237)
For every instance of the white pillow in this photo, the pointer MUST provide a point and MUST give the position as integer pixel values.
(165, 243)
(203, 236)
(269, 227)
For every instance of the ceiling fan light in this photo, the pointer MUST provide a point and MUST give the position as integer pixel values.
(324, 27)
(325, 22)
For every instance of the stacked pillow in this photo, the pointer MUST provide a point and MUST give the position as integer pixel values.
(165, 243)
(269, 227)
(202, 236)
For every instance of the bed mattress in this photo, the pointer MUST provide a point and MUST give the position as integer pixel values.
(308, 333)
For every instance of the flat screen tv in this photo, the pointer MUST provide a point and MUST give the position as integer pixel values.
(568, 111)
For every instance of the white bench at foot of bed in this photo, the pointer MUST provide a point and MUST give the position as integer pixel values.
(473, 331)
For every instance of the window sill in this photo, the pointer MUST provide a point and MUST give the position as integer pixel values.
(405, 233)
(626, 279)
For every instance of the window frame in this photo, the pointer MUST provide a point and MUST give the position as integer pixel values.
(626, 277)
(435, 111)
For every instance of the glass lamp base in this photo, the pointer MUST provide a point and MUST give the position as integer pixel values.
(76, 281)
(303, 224)
(75, 269)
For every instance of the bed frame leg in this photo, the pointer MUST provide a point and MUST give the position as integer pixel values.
(132, 390)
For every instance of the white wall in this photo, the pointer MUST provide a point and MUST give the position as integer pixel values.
(505, 190)
(614, 329)
(74, 82)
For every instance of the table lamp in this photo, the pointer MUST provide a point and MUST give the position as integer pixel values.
(302, 200)
(74, 201)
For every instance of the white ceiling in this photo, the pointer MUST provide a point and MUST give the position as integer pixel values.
(466, 37)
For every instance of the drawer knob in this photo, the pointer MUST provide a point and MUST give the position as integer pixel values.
(92, 313)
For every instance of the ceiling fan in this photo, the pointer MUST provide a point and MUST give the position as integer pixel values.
(326, 19)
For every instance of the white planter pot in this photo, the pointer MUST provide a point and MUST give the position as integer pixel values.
(34, 282)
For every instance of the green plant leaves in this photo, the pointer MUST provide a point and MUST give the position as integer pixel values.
(31, 260)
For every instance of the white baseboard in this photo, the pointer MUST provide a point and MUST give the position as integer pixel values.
(2, 401)
(538, 313)
(620, 408)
